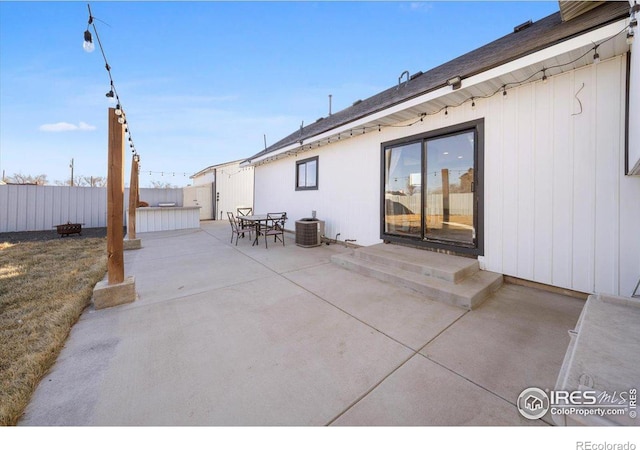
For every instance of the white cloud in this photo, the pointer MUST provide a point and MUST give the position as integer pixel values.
(66, 126)
(420, 6)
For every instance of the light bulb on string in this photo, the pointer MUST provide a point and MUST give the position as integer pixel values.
(88, 44)
(118, 110)
(544, 76)
(631, 32)
(596, 56)
(473, 103)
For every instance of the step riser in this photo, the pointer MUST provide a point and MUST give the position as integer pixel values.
(434, 272)
(433, 293)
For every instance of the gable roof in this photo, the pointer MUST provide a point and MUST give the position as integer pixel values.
(539, 35)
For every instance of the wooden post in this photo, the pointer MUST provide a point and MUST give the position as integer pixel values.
(133, 196)
(445, 197)
(138, 181)
(115, 200)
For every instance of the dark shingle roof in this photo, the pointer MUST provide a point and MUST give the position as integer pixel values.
(543, 33)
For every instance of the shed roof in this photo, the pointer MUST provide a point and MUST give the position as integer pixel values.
(214, 167)
(539, 35)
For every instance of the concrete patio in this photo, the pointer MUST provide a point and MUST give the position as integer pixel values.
(240, 335)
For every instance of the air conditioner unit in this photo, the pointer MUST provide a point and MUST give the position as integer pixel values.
(309, 232)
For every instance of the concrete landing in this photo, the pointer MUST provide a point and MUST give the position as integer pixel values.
(449, 279)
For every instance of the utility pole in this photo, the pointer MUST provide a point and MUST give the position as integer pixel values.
(71, 165)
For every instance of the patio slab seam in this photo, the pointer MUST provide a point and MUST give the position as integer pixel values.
(350, 315)
(475, 384)
(370, 390)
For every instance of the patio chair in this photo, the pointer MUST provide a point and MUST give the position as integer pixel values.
(243, 211)
(274, 227)
(235, 228)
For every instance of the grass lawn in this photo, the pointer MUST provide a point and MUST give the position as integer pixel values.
(44, 287)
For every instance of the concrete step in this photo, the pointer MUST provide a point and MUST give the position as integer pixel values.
(437, 265)
(469, 293)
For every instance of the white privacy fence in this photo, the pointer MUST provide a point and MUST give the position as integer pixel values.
(36, 208)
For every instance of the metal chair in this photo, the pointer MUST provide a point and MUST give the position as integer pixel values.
(235, 228)
(243, 211)
(274, 227)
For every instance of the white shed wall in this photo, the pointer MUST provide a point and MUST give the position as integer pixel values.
(205, 178)
(235, 187)
(558, 208)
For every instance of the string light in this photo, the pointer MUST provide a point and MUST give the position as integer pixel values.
(168, 172)
(112, 95)
(544, 76)
(633, 22)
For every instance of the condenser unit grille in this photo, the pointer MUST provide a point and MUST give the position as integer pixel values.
(309, 233)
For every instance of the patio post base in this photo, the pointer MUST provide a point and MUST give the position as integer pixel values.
(106, 295)
(132, 244)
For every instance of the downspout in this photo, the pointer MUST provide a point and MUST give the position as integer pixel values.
(633, 134)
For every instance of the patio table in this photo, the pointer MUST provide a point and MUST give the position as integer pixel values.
(254, 220)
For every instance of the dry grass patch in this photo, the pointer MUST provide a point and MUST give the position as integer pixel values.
(44, 286)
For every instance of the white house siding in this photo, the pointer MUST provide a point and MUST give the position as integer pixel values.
(348, 198)
(558, 208)
(634, 107)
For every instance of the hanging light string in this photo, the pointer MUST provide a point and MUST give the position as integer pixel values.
(162, 173)
(89, 46)
(362, 130)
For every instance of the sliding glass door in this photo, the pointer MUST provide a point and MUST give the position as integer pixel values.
(403, 190)
(431, 188)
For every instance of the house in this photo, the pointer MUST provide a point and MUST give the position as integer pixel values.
(219, 189)
(543, 120)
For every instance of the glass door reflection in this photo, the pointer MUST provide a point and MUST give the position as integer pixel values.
(449, 182)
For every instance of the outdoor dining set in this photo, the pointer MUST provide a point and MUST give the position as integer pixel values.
(244, 222)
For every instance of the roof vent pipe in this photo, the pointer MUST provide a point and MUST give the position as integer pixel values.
(522, 26)
(330, 103)
(400, 79)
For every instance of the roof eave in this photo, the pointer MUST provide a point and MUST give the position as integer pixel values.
(564, 46)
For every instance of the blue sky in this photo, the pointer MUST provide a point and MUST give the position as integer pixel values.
(203, 82)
